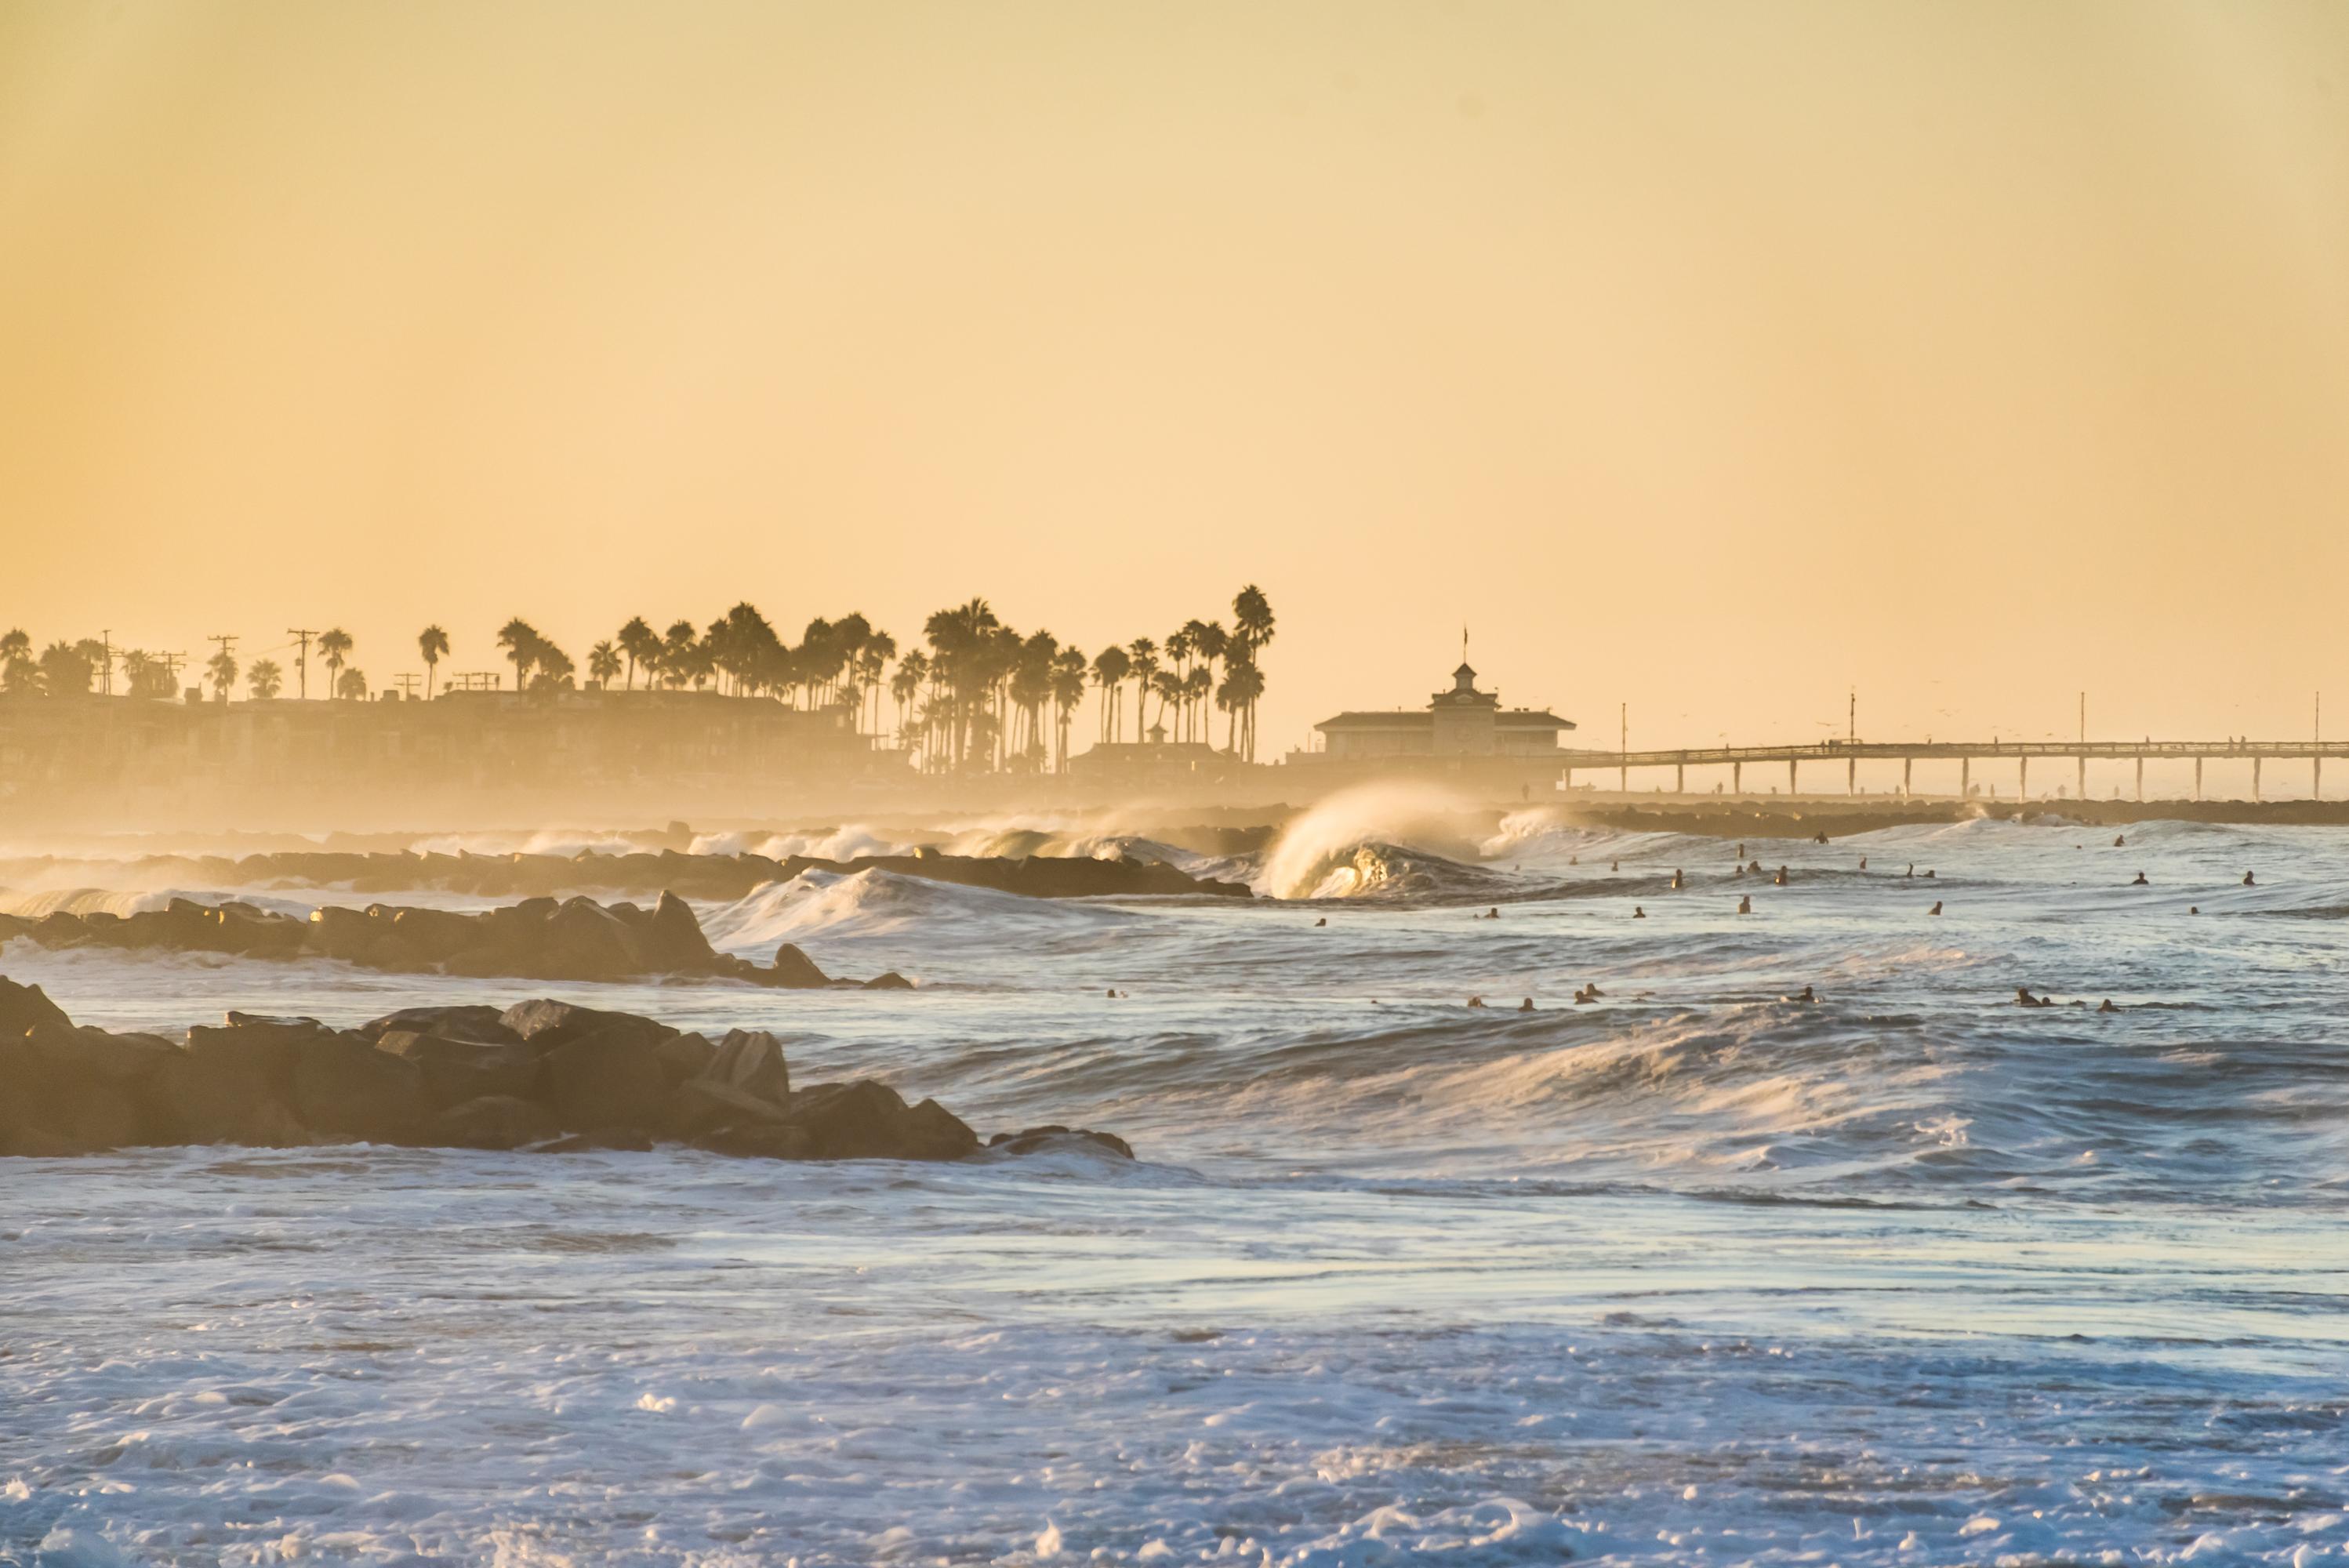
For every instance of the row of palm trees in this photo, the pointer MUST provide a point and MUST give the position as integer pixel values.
(979, 697)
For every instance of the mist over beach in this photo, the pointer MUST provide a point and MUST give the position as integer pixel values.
(1321, 788)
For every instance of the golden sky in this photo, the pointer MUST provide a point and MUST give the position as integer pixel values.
(1710, 358)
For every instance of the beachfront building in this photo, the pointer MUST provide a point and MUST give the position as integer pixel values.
(1461, 722)
(1463, 731)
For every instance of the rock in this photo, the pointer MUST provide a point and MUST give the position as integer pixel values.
(585, 940)
(52, 1103)
(795, 970)
(757, 1140)
(684, 1057)
(268, 1050)
(699, 1105)
(226, 1099)
(344, 934)
(478, 1023)
(672, 938)
(493, 1122)
(1043, 1139)
(889, 980)
(456, 1071)
(610, 1077)
(246, 1020)
(870, 1120)
(343, 1086)
(86, 1054)
(22, 1006)
(547, 1022)
(751, 1061)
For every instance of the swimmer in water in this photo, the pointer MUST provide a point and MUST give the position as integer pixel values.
(1639, 913)
(2193, 909)
(1863, 862)
(1526, 1006)
(1614, 865)
(2247, 882)
(2140, 880)
(1677, 882)
(1912, 869)
(1780, 879)
(1820, 840)
(1745, 904)
(1755, 868)
(2107, 1006)
(1741, 849)
(1323, 921)
(1929, 871)
(1936, 909)
(1475, 1001)
(2119, 839)
(1804, 995)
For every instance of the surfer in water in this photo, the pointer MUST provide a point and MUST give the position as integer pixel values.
(2247, 882)
(1780, 879)
(1639, 913)
(2140, 880)
(1936, 909)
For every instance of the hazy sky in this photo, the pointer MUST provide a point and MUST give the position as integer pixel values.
(1710, 358)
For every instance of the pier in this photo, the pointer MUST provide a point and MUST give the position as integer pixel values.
(1967, 754)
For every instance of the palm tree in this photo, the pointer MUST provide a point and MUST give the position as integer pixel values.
(352, 684)
(1068, 691)
(678, 649)
(222, 666)
(65, 672)
(335, 647)
(264, 679)
(1111, 667)
(1168, 685)
(555, 667)
(1141, 664)
(906, 685)
(432, 642)
(18, 670)
(958, 639)
(1243, 683)
(642, 644)
(603, 663)
(872, 662)
(1252, 616)
(522, 643)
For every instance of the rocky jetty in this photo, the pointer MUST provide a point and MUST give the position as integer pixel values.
(537, 939)
(542, 1074)
(710, 877)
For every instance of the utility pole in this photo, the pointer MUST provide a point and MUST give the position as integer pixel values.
(227, 640)
(1852, 719)
(302, 660)
(407, 684)
(171, 662)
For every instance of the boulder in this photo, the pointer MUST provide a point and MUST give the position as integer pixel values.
(476, 1022)
(699, 1106)
(1043, 1139)
(343, 1086)
(236, 1020)
(547, 1022)
(345, 934)
(870, 1120)
(84, 1054)
(224, 1098)
(22, 1006)
(751, 1061)
(672, 938)
(889, 980)
(610, 1077)
(52, 1101)
(456, 1071)
(268, 1050)
(684, 1057)
(585, 940)
(795, 970)
(493, 1122)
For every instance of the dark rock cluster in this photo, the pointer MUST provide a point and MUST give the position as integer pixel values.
(641, 874)
(537, 939)
(541, 1074)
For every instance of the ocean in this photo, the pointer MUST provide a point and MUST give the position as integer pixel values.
(1697, 1272)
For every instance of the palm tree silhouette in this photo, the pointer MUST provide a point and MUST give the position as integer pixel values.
(432, 642)
(1141, 664)
(958, 639)
(642, 644)
(522, 643)
(1068, 692)
(1111, 667)
(603, 663)
(1252, 616)
(352, 686)
(335, 647)
(264, 679)
(222, 667)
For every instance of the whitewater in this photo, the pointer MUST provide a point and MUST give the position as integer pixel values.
(1694, 1272)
